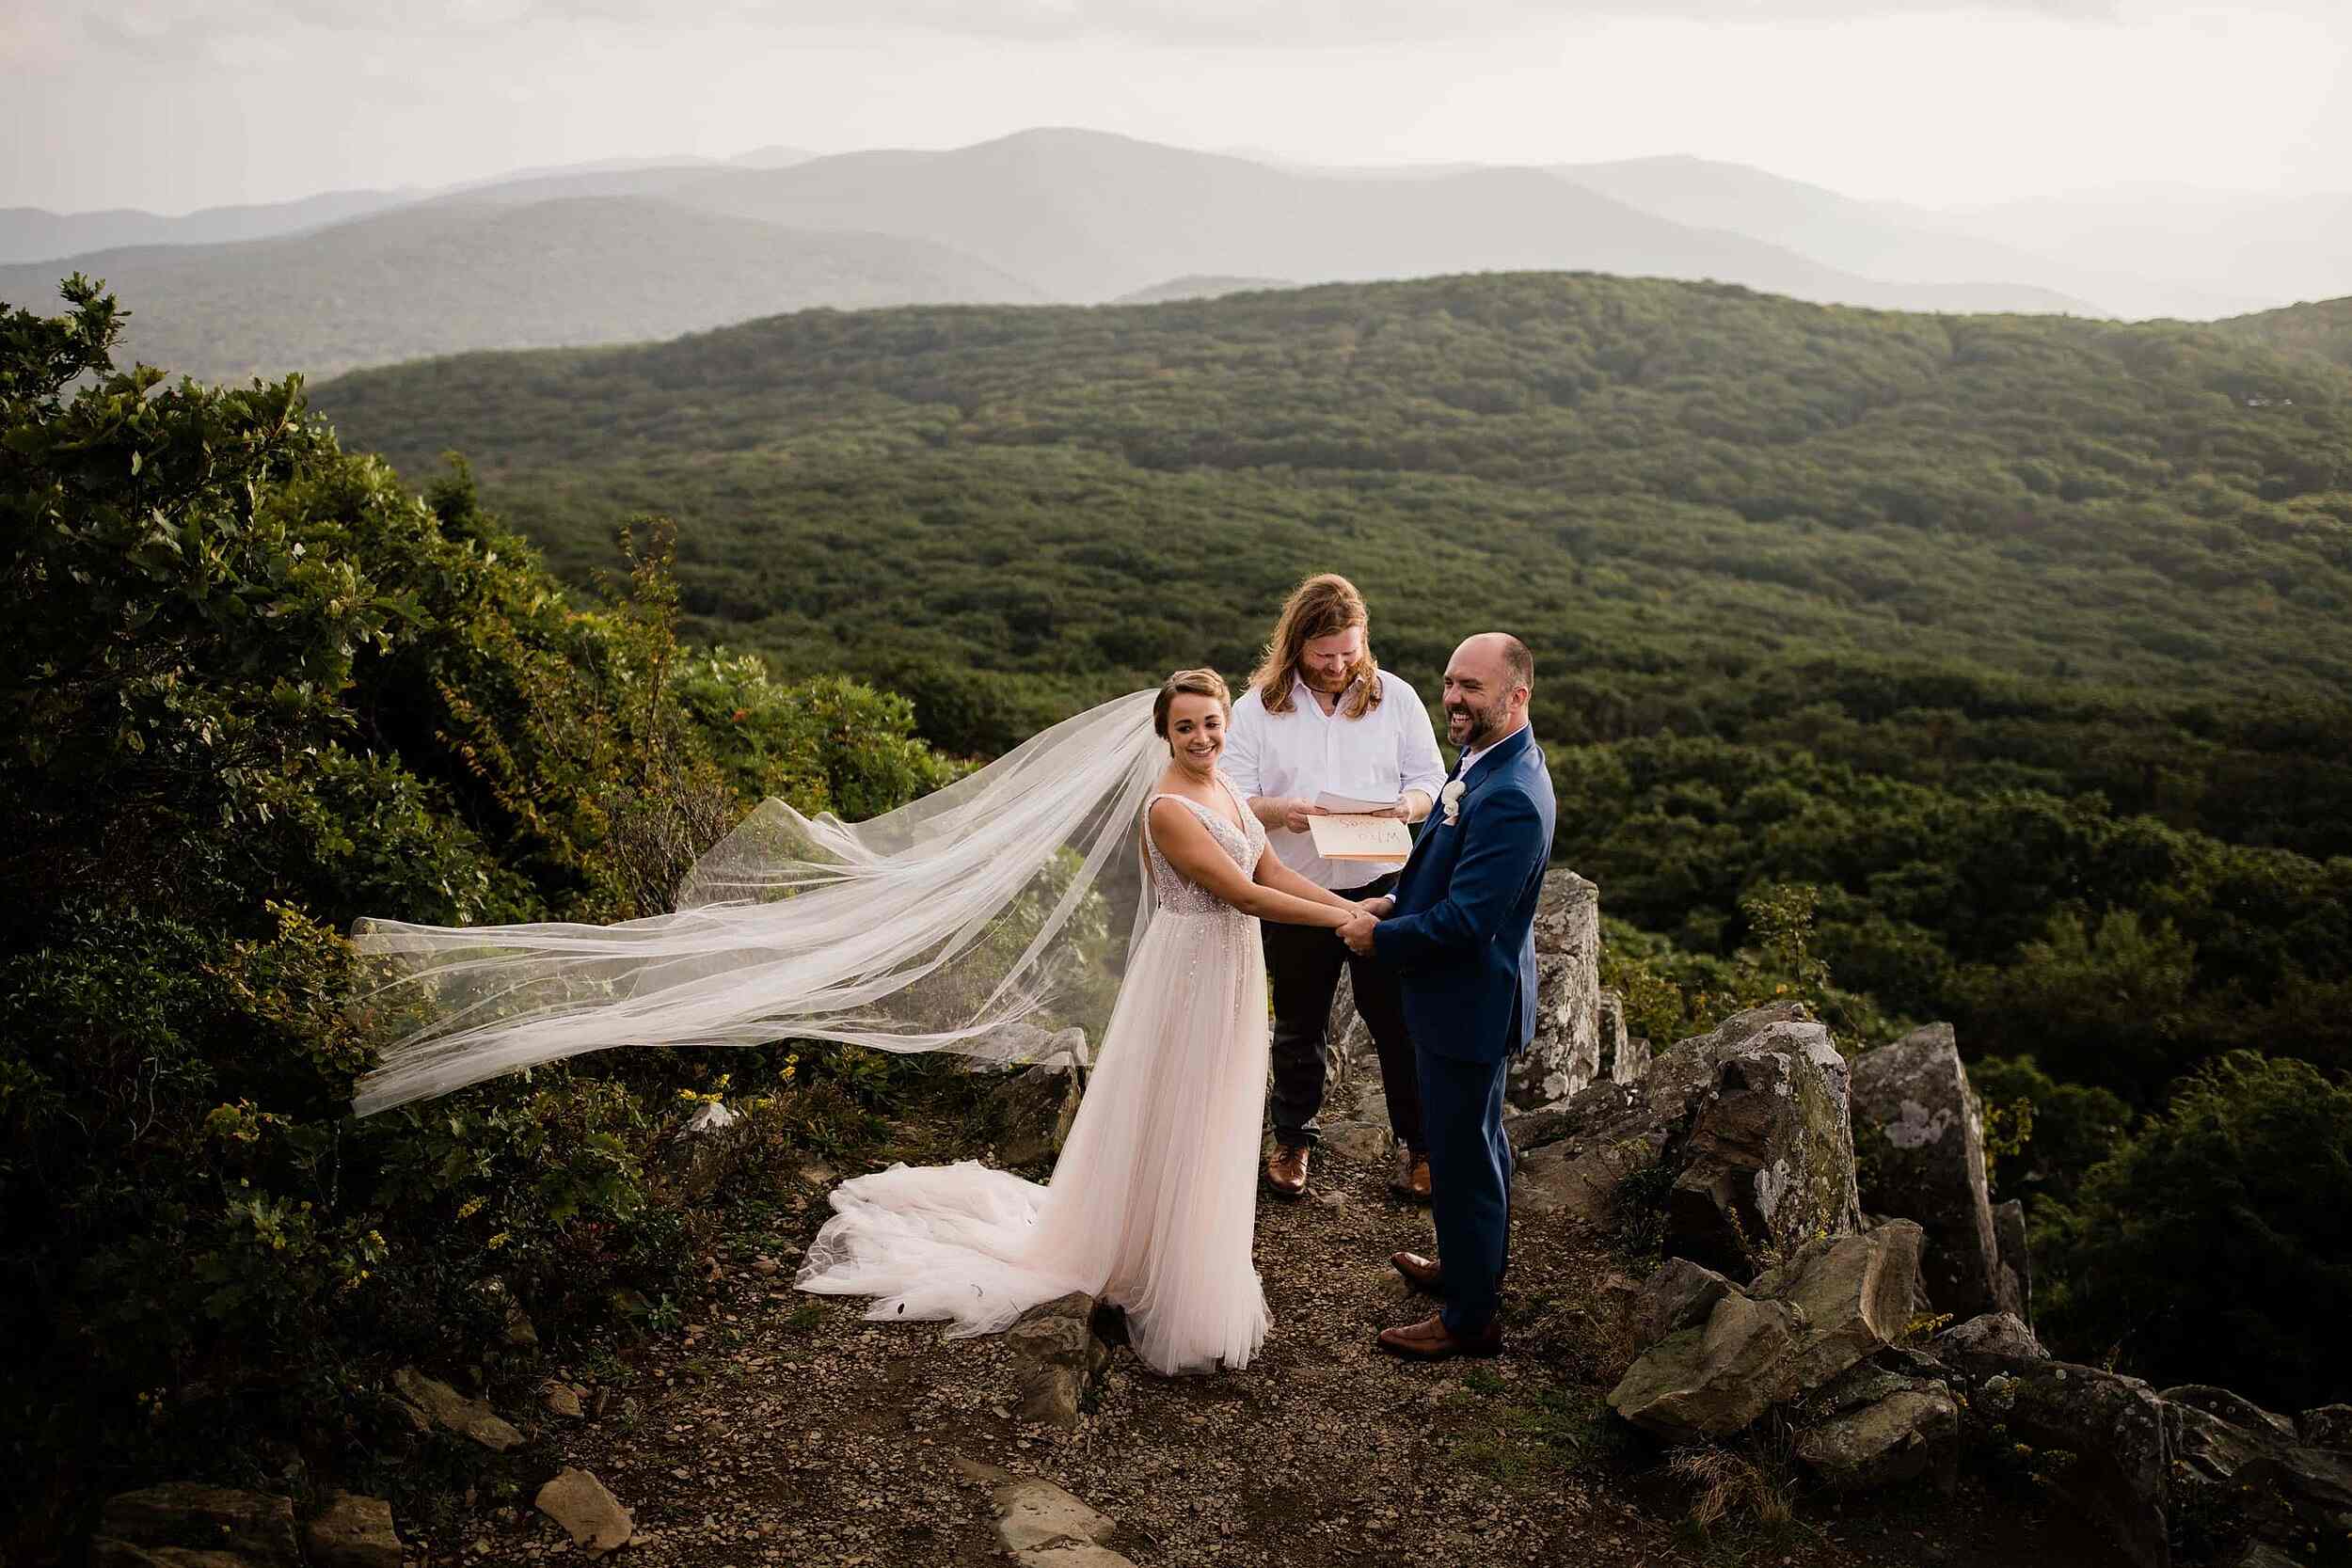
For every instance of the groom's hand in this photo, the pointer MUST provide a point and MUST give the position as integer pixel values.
(1356, 933)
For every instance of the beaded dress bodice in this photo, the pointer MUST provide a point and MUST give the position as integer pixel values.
(1176, 894)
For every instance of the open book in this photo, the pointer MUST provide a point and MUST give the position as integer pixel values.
(1347, 835)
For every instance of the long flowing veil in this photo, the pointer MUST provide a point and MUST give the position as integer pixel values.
(968, 922)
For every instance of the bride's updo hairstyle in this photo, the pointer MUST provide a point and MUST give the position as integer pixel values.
(1188, 683)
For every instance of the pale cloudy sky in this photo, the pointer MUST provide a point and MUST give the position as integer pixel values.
(173, 104)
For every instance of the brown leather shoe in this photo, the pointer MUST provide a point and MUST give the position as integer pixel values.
(1431, 1340)
(1286, 1172)
(1422, 1274)
(1412, 1180)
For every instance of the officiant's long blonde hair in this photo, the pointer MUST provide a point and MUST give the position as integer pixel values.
(1323, 606)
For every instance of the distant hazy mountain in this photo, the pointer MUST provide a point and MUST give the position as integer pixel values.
(1872, 239)
(2184, 252)
(772, 157)
(1199, 288)
(1090, 217)
(447, 277)
(33, 233)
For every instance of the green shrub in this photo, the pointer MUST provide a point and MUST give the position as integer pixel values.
(255, 689)
(2213, 1245)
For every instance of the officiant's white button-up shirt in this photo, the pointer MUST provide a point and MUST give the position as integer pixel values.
(1308, 753)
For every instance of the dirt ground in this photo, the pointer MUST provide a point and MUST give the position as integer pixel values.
(778, 1428)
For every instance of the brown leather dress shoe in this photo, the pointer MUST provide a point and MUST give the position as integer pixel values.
(1422, 1274)
(1286, 1172)
(1412, 1180)
(1431, 1340)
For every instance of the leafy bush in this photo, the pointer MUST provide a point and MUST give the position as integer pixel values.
(255, 689)
(2213, 1245)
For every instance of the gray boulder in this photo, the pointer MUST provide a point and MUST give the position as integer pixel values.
(446, 1408)
(1768, 1163)
(1572, 1158)
(2015, 1282)
(1716, 1379)
(1679, 1294)
(1998, 1335)
(1565, 1055)
(2232, 1459)
(2329, 1426)
(1056, 1355)
(1919, 1145)
(594, 1518)
(352, 1531)
(1855, 1296)
(1028, 1112)
(182, 1523)
(1908, 1433)
(2115, 1429)
(1801, 1325)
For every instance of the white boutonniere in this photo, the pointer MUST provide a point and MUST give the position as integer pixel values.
(1451, 799)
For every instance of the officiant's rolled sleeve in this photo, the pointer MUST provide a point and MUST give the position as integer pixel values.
(1245, 735)
(1417, 757)
(1503, 844)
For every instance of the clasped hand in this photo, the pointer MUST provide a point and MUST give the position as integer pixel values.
(1356, 933)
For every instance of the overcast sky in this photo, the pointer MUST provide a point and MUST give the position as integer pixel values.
(173, 105)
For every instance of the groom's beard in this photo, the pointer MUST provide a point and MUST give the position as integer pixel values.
(1482, 729)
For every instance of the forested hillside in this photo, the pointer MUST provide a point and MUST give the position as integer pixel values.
(2324, 329)
(2023, 641)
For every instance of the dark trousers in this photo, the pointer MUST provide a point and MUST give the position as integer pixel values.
(1470, 1182)
(1303, 965)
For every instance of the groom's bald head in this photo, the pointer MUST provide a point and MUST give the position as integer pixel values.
(1508, 657)
(1487, 683)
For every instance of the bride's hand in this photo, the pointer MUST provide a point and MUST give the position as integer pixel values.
(1376, 908)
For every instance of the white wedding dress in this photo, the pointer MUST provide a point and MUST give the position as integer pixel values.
(1153, 1203)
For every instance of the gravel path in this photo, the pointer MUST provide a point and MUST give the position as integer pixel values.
(779, 1427)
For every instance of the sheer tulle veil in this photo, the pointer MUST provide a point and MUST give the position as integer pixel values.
(982, 920)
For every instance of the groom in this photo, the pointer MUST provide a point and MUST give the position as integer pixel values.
(1461, 938)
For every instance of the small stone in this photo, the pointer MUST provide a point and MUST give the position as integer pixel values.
(353, 1531)
(595, 1518)
(452, 1411)
(765, 1266)
(561, 1400)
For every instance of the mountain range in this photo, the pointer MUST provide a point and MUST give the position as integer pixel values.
(618, 252)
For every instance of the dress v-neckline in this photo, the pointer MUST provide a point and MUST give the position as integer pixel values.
(1240, 826)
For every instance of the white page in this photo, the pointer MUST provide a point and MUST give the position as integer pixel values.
(1342, 805)
(1383, 841)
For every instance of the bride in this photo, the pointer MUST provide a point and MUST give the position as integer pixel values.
(929, 929)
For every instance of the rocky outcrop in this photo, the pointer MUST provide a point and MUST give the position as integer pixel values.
(1027, 1113)
(2112, 1428)
(191, 1526)
(1565, 1055)
(1749, 1123)
(1919, 1147)
(1799, 1327)
(1623, 1057)
(1768, 1163)
(1904, 1433)
(1057, 1354)
(2231, 1456)
(2000, 1334)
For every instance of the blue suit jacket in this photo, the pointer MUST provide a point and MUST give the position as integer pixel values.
(1462, 938)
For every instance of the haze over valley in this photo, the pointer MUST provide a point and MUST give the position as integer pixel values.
(619, 252)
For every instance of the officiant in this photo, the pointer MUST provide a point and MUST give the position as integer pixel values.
(1321, 718)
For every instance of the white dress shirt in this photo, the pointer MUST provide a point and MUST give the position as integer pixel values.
(1308, 753)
